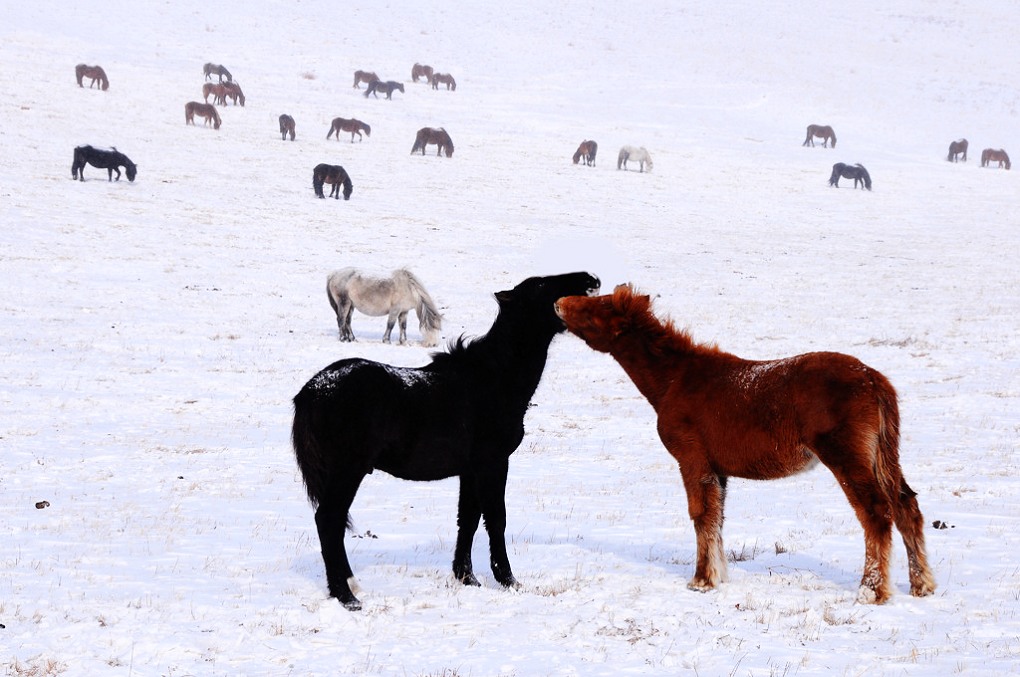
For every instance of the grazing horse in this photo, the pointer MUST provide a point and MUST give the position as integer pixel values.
(211, 69)
(856, 172)
(205, 110)
(444, 78)
(639, 155)
(721, 416)
(353, 126)
(586, 151)
(384, 87)
(438, 136)
(991, 155)
(421, 71)
(460, 415)
(956, 148)
(823, 132)
(110, 160)
(393, 296)
(93, 73)
(364, 76)
(218, 91)
(286, 127)
(233, 90)
(335, 175)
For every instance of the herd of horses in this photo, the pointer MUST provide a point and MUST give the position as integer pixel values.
(462, 414)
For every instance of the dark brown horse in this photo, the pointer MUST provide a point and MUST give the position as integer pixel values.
(211, 69)
(438, 136)
(95, 73)
(856, 172)
(364, 76)
(822, 132)
(721, 416)
(586, 151)
(957, 148)
(286, 127)
(205, 110)
(989, 155)
(335, 175)
(444, 78)
(421, 71)
(233, 90)
(353, 126)
(218, 91)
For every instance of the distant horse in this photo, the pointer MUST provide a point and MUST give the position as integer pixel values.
(822, 132)
(386, 88)
(364, 76)
(233, 90)
(721, 416)
(990, 155)
(421, 71)
(211, 69)
(394, 296)
(110, 160)
(335, 175)
(286, 127)
(856, 172)
(218, 91)
(444, 78)
(438, 136)
(353, 126)
(205, 110)
(639, 155)
(956, 148)
(586, 151)
(460, 415)
(94, 73)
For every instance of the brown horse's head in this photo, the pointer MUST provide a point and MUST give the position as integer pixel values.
(599, 320)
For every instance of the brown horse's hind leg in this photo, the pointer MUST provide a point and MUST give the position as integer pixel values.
(910, 523)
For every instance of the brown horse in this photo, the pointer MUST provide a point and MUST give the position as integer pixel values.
(822, 132)
(721, 416)
(956, 148)
(444, 78)
(353, 126)
(335, 175)
(421, 71)
(233, 90)
(364, 76)
(991, 155)
(218, 91)
(205, 110)
(211, 69)
(586, 151)
(94, 73)
(286, 127)
(438, 136)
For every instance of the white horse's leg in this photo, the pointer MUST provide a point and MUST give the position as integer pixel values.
(347, 310)
(402, 318)
(391, 320)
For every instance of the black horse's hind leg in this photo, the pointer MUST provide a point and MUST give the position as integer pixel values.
(331, 521)
(469, 513)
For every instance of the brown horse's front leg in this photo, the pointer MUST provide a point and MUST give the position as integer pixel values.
(705, 495)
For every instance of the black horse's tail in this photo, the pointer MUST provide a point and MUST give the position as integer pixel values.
(311, 449)
(317, 182)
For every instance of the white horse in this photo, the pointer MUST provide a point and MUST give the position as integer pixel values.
(634, 154)
(393, 296)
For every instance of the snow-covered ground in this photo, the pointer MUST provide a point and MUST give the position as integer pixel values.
(153, 333)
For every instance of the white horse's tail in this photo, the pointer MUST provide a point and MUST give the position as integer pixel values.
(429, 320)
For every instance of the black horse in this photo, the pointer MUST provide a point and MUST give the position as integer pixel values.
(110, 160)
(856, 172)
(461, 415)
(384, 87)
(334, 174)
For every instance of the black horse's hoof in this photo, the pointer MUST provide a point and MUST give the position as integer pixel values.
(352, 604)
(469, 579)
(509, 582)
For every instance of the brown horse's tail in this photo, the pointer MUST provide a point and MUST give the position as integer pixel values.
(887, 458)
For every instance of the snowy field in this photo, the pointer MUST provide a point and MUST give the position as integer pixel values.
(153, 333)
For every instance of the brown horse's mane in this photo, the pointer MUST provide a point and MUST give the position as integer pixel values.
(662, 336)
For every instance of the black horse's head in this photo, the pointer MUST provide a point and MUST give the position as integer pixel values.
(131, 169)
(536, 297)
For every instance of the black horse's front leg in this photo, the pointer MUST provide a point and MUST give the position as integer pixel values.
(469, 513)
(493, 499)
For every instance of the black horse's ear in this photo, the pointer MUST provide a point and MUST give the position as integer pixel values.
(504, 296)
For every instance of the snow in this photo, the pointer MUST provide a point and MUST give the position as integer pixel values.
(154, 332)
